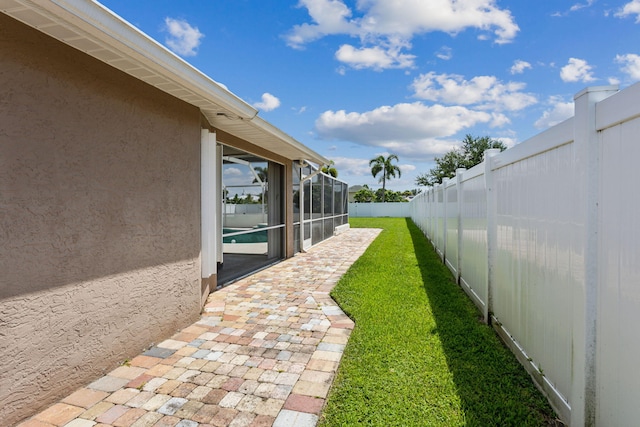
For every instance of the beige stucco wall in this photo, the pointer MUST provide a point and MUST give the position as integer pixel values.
(99, 218)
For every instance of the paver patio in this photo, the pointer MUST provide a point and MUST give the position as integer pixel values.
(264, 353)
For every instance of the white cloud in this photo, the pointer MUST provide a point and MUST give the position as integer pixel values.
(183, 39)
(352, 166)
(508, 142)
(631, 8)
(577, 70)
(519, 66)
(386, 27)
(630, 64)
(445, 53)
(579, 6)
(411, 17)
(234, 175)
(574, 8)
(231, 171)
(414, 130)
(498, 120)
(329, 17)
(559, 111)
(375, 57)
(486, 92)
(268, 103)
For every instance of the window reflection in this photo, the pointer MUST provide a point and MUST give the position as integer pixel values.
(252, 220)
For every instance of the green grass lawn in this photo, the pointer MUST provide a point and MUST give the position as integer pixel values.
(419, 354)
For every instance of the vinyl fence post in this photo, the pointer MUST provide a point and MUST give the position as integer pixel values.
(584, 387)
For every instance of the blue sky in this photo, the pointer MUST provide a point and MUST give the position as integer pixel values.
(356, 79)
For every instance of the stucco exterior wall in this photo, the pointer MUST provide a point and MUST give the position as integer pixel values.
(99, 218)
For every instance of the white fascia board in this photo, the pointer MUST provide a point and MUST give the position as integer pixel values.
(305, 152)
(102, 25)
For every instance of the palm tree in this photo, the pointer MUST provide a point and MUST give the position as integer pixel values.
(330, 169)
(384, 165)
(262, 174)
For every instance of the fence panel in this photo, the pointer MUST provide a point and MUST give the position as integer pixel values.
(539, 259)
(451, 234)
(373, 210)
(440, 220)
(474, 237)
(618, 342)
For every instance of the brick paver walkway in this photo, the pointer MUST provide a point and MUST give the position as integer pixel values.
(264, 353)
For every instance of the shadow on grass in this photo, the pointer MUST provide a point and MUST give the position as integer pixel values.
(494, 389)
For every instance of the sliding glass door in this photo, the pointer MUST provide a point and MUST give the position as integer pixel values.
(253, 214)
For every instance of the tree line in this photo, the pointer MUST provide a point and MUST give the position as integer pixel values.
(470, 153)
(467, 156)
(368, 195)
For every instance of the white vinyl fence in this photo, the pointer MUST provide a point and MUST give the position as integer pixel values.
(393, 210)
(545, 238)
